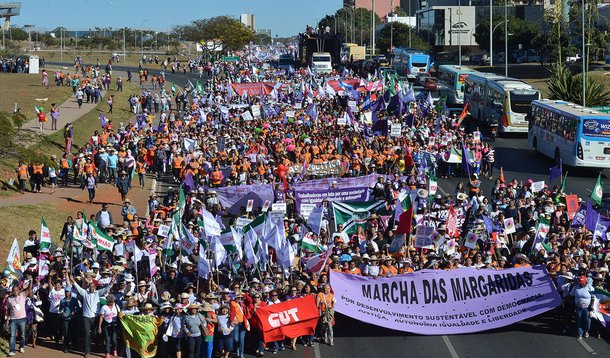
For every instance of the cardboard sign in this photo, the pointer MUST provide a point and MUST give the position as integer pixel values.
(509, 226)
(537, 186)
(298, 105)
(246, 116)
(256, 111)
(250, 205)
(163, 230)
(471, 240)
(241, 222)
(395, 129)
(342, 121)
(266, 205)
(279, 207)
(423, 236)
(572, 205)
(306, 209)
(351, 103)
(290, 114)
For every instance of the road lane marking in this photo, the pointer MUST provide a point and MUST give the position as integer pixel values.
(316, 350)
(586, 346)
(450, 347)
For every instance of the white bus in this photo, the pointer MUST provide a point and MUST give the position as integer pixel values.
(500, 101)
(321, 62)
(577, 135)
(453, 77)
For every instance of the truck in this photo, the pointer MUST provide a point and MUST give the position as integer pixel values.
(310, 43)
(574, 59)
(353, 52)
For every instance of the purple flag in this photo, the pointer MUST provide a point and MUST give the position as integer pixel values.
(188, 183)
(591, 217)
(556, 172)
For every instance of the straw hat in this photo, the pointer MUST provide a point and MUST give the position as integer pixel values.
(142, 283)
(147, 307)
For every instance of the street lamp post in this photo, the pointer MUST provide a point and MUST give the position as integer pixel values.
(506, 38)
(582, 10)
(29, 27)
(491, 54)
(472, 33)
(456, 26)
(372, 28)
(491, 38)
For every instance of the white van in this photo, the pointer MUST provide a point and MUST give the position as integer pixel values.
(321, 62)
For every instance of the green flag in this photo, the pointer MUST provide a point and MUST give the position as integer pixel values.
(181, 201)
(173, 87)
(354, 214)
(598, 190)
(140, 333)
(198, 87)
(391, 83)
(101, 239)
(45, 234)
(433, 184)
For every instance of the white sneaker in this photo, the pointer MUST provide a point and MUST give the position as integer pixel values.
(21, 350)
(10, 354)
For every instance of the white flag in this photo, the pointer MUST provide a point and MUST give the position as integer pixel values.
(220, 253)
(211, 226)
(203, 265)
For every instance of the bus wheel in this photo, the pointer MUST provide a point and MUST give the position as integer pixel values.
(557, 156)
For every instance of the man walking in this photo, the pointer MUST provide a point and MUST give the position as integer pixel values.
(90, 299)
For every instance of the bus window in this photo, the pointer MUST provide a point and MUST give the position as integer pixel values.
(521, 102)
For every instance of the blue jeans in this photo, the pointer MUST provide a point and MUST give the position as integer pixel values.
(583, 321)
(206, 348)
(17, 323)
(239, 333)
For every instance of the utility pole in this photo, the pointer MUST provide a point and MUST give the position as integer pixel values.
(584, 72)
(123, 43)
(506, 38)
(373, 28)
(491, 35)
(391, 29)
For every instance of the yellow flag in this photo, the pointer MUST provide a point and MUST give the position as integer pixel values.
(140, 334)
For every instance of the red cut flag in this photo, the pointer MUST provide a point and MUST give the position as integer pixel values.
(501, 175)
(289, 319)
(405, 222)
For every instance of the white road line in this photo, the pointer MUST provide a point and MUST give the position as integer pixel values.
(450, 347)
(586, 346)
(316, 350)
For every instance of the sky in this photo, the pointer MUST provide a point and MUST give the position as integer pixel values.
(283, 17)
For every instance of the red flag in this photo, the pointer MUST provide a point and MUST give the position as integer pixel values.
(289, 319)
(452, 228)
(405, 222)
(502, 175)
(464, 113)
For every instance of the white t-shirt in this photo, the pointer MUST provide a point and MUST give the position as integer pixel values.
(55, 298)
(110, 314)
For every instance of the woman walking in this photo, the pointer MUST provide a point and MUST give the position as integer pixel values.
(91, 187)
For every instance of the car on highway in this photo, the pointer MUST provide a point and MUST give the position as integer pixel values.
(574, 59)
(421, 77)
(431, 84)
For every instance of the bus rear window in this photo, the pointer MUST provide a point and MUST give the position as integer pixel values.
(321, 58)
(522, 103)
(419, 64)
(596, 128)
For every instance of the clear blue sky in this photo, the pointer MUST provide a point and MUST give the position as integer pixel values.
(283, 17)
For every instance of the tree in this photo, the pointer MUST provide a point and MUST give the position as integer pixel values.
(593, 37)
(222, 31)
(566, 86)
(341, 22)
(522, 32)
(400, 38)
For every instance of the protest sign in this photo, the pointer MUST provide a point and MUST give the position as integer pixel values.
(234, 197)
(509, 226)
(290, 319)
(250, 205)
(241, 222)
(316, 197)
(395, 129)
(256, 111)
(571, 205)
(423, 236)
(471, 240)
(163, 230)
(440, 302)
(325, 183)
(306, 209)
(246, 116)
(341, 121)
(266, 206)
(537, 186)
(290, 114)
(333, 167)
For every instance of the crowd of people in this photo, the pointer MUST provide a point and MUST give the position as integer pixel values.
(224, 136)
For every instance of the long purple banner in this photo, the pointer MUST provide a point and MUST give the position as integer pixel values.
(436, 302)
(316, 197)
